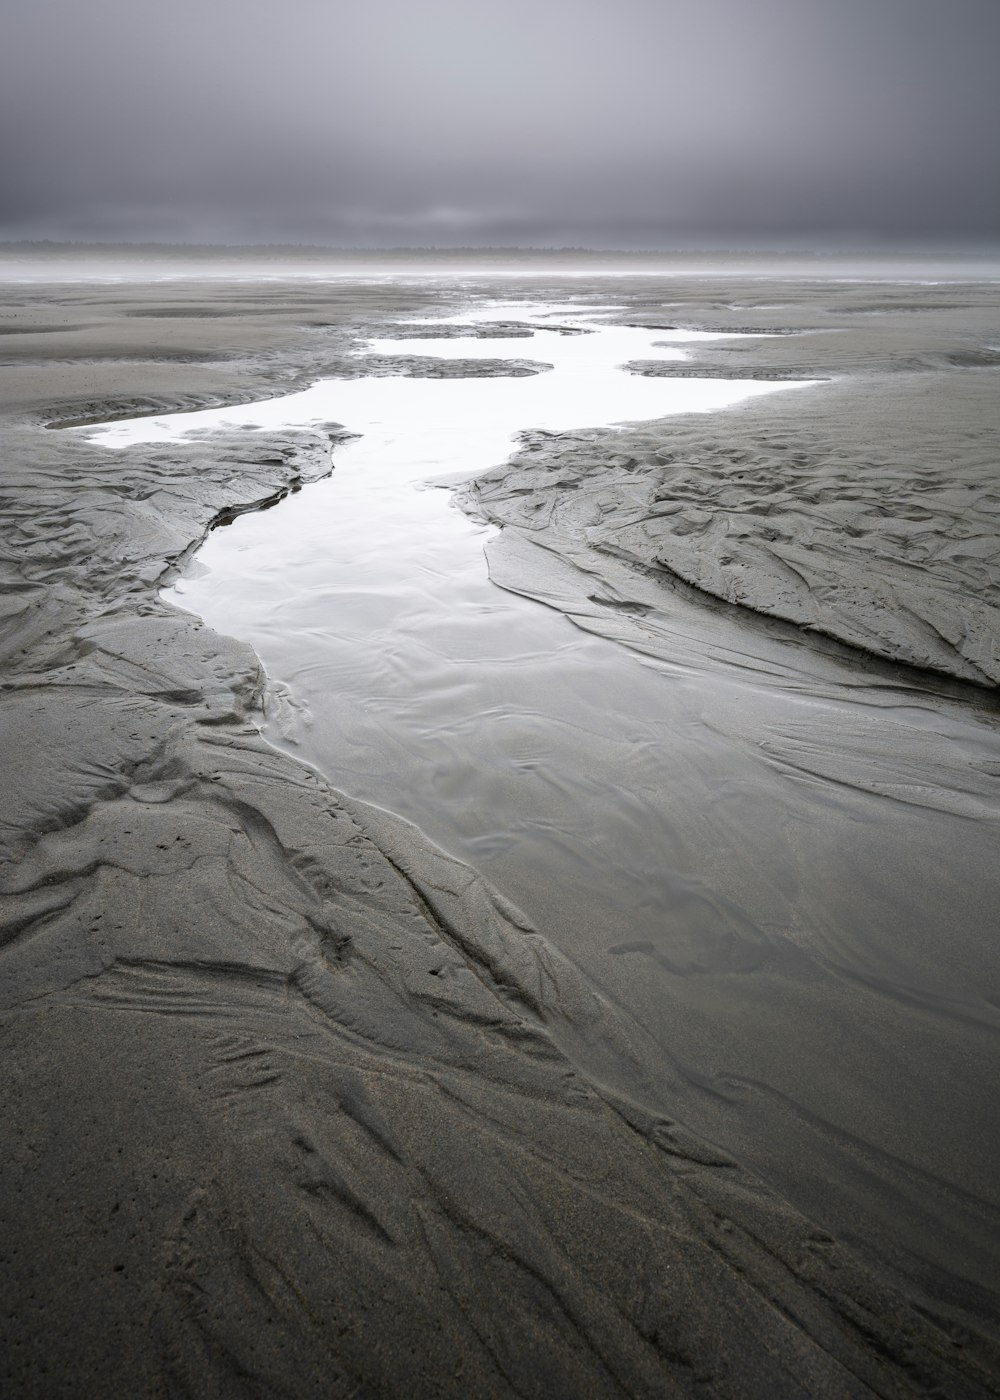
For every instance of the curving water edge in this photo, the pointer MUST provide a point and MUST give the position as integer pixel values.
(774, 870)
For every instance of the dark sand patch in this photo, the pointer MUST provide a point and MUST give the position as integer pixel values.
(474, 330)
(428, 367)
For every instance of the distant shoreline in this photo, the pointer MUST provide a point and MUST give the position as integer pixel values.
(53, 262)
(500, 252)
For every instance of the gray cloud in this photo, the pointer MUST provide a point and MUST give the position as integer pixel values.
(614, 122)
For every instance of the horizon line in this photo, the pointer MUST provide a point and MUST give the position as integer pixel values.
(184, 246)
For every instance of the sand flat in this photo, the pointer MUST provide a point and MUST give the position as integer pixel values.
(294, 1100)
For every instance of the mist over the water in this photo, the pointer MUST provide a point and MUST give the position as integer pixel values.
(636, 124)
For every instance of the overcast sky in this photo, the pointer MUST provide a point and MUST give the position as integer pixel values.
(604, 123)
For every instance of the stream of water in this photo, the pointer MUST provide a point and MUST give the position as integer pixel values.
(779, 869)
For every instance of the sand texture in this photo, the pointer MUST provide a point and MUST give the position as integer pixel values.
(294, 1103)
(867, 509)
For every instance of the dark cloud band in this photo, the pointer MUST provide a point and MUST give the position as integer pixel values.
(629, 123)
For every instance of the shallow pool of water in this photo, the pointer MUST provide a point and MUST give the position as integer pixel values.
(780, 870)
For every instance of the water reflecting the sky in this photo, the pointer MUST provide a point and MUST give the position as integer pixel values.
(753, 848)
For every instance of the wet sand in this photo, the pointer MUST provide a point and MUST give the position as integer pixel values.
(296, 1103)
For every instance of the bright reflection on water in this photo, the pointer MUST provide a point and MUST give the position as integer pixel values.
(753, 849)
(502, 730)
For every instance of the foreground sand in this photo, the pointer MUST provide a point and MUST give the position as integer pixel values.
(293, 1102)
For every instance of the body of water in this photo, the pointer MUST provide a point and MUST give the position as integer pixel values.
(779, 867)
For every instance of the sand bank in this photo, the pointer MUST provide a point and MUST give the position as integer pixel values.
(867, 510)
(293, 1101)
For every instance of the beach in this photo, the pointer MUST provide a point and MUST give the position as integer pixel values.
(307, 1091)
